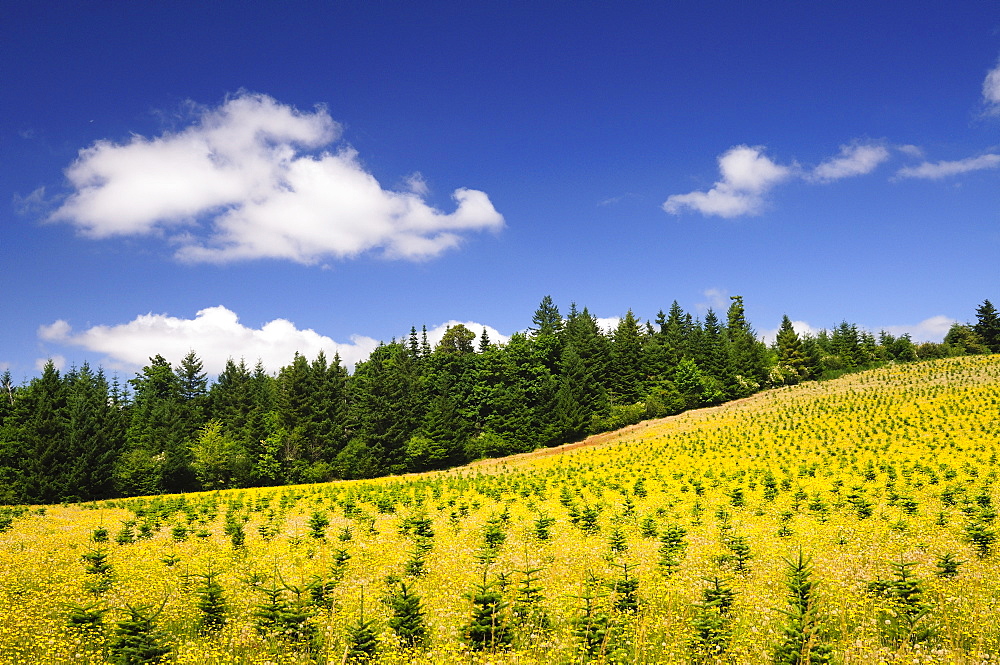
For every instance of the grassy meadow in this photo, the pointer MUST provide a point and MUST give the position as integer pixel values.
(676, 540)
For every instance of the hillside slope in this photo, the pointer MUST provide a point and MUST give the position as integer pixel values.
(881, 478)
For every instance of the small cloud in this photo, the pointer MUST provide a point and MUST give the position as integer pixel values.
(747, 176)
(718, 300)
(937, 170)
(911, 151)
(854, 160)
(33, 204)
(991, 91)
(244, 181)
(616, 199)
(415, 184)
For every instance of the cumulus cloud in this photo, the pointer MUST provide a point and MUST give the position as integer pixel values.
(936, 170)
(215, 334)
(854, 160)
(435, 334)
(801, 328)
(608, 323)
(747, 175)
(244, 181)
(929, 330)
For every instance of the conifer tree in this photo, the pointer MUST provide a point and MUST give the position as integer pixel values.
(801, 641)
(488, 629)
(407, 619)
(791, 356)
(988, 326)
(137, 639)
(626, 361)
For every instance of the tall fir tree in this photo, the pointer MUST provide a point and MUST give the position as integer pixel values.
(988, 326)
(747, 354)
(791, 355)
(626, 361)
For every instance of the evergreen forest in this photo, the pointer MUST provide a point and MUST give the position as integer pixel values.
(81, 435)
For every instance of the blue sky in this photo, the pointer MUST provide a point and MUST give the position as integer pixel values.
(248, 179)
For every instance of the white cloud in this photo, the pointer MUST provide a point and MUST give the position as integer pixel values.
(59, 362)
(747, 175)
(239, 184)
(215, 334)
(935, 170)
(718, 300)
(801, 328)
(854, 159)
(608, 323)
(929, 330)
(435, 334)
(991, 90)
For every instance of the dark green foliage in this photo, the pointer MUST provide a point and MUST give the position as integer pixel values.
(97, 566)
(626, 591)
(407, 620)
(672, 547)
(719, 594)
(79, 437)
(801, 642)
(617, 542)
(543, 527)
(288, 618)
(318, 522)
(136, 638)
(527, 610)
(947, 566)
(89, 618)
(488, 629)
(592, 626)
(982, 536)
(211, 602)
(904, 620)
(361, 643)
(988, 326)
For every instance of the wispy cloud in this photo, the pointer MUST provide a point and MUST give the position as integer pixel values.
(747, 175)
(991, 91)
(936, 170)
(717, 300)
(245, 181)
(854, 160)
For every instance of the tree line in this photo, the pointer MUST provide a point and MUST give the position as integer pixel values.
(80, 436)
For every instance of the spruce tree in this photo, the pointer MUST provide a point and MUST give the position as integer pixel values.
(988, 326)
(801, 641)
(407, 619)
(137, 639)
(488, 629)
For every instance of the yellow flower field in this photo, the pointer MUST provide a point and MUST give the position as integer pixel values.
(879, 478)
